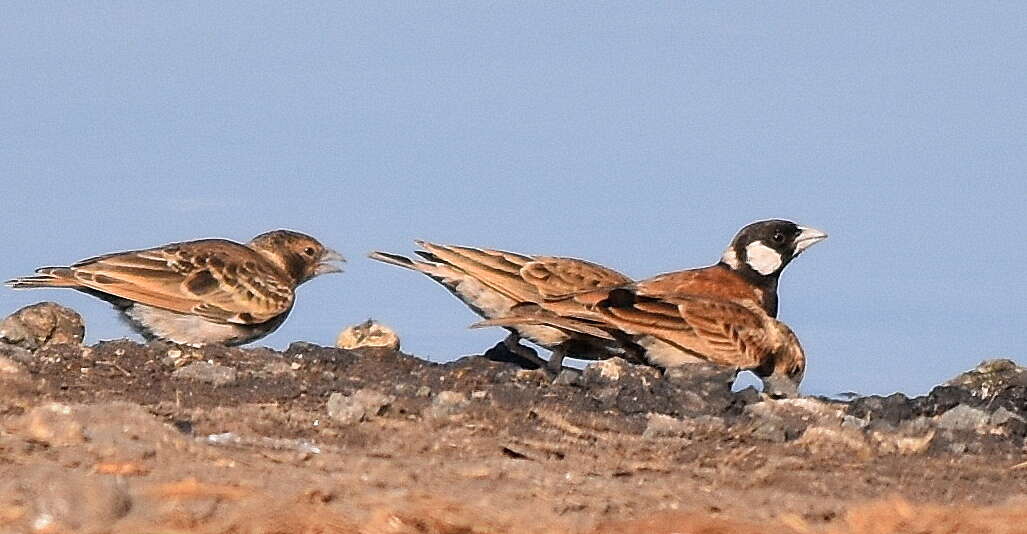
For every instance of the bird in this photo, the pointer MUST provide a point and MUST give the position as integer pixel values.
(689, 328)
(498, 284)
(368, 334)
(724, 313)
(207, 291)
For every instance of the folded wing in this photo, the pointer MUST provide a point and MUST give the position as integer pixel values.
(219, 280)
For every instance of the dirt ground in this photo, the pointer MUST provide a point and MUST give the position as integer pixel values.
(125, 437)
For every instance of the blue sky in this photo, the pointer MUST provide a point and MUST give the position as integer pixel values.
(641, 137)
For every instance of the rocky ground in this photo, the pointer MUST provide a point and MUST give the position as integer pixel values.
(156, 438)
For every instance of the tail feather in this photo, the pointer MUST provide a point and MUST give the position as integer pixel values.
(393, 259)
(565, 324)
(45, 277)
(509, 321)
(428, 256)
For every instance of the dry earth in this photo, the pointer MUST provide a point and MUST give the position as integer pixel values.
(130, 438)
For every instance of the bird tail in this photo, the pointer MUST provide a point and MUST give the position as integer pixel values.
(45, 277)
(513, 320)
(566, 324)
(394, 259)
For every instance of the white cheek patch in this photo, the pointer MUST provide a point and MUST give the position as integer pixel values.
(730, 258)
(762, 258)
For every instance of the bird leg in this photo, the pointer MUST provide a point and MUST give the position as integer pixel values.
(555, 364)
(516, 353)
(633, 352)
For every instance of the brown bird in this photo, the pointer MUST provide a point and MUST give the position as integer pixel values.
(199, 292)
(690, 328)
(724, 313)
(498, 284)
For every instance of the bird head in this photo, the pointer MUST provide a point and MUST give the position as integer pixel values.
(302, 257)
(763, 249)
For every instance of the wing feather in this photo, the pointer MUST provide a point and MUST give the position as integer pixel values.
(219, 280)
(734, 333)
(497, 269)
(560, 278)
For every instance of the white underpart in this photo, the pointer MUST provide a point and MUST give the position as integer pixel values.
(762, 258)
(730, 257)
(191, 329)
(491, 304)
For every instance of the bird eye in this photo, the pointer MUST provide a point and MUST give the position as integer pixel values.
(779, 237)
(309, 251)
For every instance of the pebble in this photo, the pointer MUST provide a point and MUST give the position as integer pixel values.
(567, 377)
(362, 405)
(659, 425)
(963, 417)
(447, 403)
(207, 372)
(42, 325)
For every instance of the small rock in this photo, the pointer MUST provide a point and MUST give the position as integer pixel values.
(700, 388)
(15, 353)
(207, 372)
(368, 334)
(1013, 399)
(42, 325)
(902, 443)
(277, 368)
(423, 392)
(944, 398)
(781, 420)
(1002, 416)
(362, 405)
(10, 367)
(535, 375)
(616, 384)
(990, 377)
(299, 347)
(63, 500)
(609, 370)
(891, 409)
(447, 403)
(660, 425)
(963, 417)
(769, 431)
(808, 409)
(176, 357)
(827, 441)
(849, 421)
(567, 377)
(916, 426)
(54, 424)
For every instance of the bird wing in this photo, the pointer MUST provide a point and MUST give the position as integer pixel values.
(715, 281)
(719, 330)
(731, 332)
(219, 280)
(560, 278)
